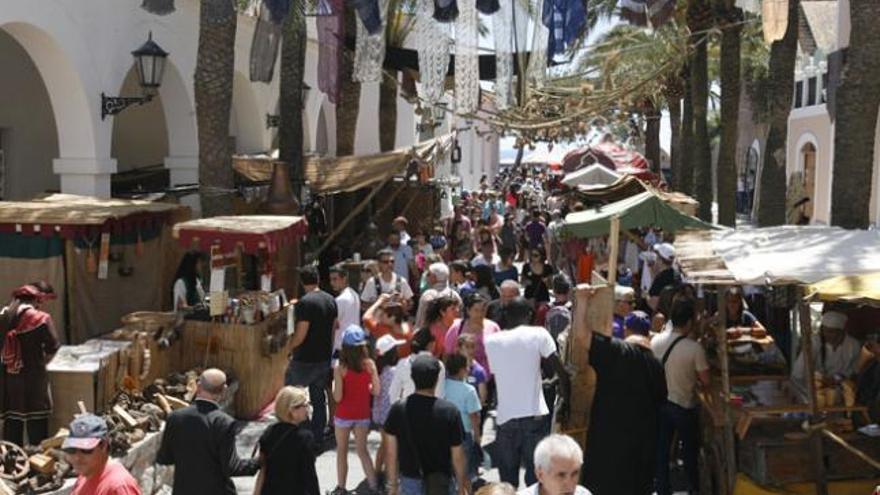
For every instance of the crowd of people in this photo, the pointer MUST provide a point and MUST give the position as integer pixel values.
(455, 329)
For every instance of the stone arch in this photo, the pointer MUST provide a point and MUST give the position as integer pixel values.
(77, 161)
(246, 122)
(807, 150)
(140, 135)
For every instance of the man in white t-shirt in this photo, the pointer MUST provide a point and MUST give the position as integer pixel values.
(348, 304)
(487, 255)
(515, 357)
(387, 282)
(684, 361)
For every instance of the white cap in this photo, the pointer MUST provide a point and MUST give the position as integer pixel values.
(386, 342)
(648, 256)
(665, 250)
(834, 319)
(622, 291)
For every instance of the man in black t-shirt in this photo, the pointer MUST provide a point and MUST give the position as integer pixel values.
(312, 346)
(424, 434)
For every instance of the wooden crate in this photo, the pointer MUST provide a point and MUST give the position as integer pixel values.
(87, 373)
(239, 348)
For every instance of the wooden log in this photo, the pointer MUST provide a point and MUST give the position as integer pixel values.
(55, 441)
(125, 416)
(597, 314)
(174, 403)
(42, 463)
(82, 407)
(163, 403)
(614, 253)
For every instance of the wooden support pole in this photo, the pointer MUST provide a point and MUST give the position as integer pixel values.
(351, 216)
(729, 445)
(807, 349)
(614, 241)
(858, 453)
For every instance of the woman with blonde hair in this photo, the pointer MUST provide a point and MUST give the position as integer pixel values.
(287, 455)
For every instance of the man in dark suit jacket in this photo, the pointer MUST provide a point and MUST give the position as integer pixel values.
(199, 441)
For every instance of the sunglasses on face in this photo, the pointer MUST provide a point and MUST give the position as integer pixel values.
(73, 451)
(387, 262)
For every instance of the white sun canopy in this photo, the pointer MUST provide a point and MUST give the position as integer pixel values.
(593, 176)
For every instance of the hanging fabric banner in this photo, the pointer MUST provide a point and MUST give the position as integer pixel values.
(433, 45)
(537, 68)
(264, 46)
(369, 52)
(565, 21)
(501, 28)
(775, 15)
(467, 62)
(330, 35)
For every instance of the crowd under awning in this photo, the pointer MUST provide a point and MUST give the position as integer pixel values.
(642, 210)
(786, 255)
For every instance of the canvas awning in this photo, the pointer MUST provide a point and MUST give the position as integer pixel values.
(642, 210)
(787, 255)
(251, 232)
(864, 289)
(68, 215)
(628, 186)
(592, 177)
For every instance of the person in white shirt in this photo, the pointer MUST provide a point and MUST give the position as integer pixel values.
(487, 255)
(387, 282)
(684, 361)
(835, 354)
(402, 384)
(558, 460)
(404, 258)
(515, 359)
(348, 304)
(188, 291)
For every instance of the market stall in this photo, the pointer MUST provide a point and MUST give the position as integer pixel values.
(104, 257)
(760, 427)
(248, 328)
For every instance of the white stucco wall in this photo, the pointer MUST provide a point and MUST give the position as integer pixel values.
(140, 136)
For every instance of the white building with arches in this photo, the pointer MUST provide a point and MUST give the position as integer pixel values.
(59, 56)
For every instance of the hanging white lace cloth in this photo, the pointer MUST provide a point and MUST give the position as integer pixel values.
(536, 72)
(501, 29)
(432, 38)
(467, 62)
(369, 50)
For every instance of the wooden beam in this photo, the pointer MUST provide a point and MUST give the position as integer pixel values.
(858, 453)
(614, 241)
(816, 445)
(729, 444)
(348, 219)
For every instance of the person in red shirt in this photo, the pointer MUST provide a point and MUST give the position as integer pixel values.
(88, 452)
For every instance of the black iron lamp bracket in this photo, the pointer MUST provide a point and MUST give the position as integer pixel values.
(112, 105)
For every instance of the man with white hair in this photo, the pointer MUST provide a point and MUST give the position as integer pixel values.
(508, 291)
(624, 304)
(558, 461)
(835, 353)
(438, 281)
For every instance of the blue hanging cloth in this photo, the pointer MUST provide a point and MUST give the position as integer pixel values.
(488, 7)
(566, 20)
(368, 12)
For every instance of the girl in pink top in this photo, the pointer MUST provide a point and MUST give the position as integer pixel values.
(474, 323)
(442, 313)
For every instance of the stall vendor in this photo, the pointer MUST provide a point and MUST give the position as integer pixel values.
(188, 291)
(835, 353)
(29, 342)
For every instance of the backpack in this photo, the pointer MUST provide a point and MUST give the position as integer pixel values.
(377, 283)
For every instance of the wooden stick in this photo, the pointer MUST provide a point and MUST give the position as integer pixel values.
(614, 241)
(807, 350)
(351, 216)
(858, 453)
(729, 444)
(82, 407)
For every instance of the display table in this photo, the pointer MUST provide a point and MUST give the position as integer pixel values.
(256, 354)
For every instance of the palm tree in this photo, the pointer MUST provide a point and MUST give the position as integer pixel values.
(730, 18)
(858, 100)
(215, 61)
(771, 203)
(673, 92)
(399, 23)
(293, 58)
(699, 20)
(686, 181)
(348, 106)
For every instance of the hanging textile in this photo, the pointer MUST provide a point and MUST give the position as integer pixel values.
(536, 71)
(488, 7)
(433, 45)
(775, 16)
(467, 62)
(565, 21)
(264, 46)
(369, 52)
(445, 10)
(369, 14)
(158, 7)
(503, 34)
(641, 12)
(278, 9)
(330, 37)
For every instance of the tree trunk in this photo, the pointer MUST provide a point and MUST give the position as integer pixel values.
(652, 136)
(349, 104)
(293, 60)
(858, 101)
(686, 181)
(674, 89)
(701, 155)
(771, 203)
(730, 88)
(215, 61)
(388, 111)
